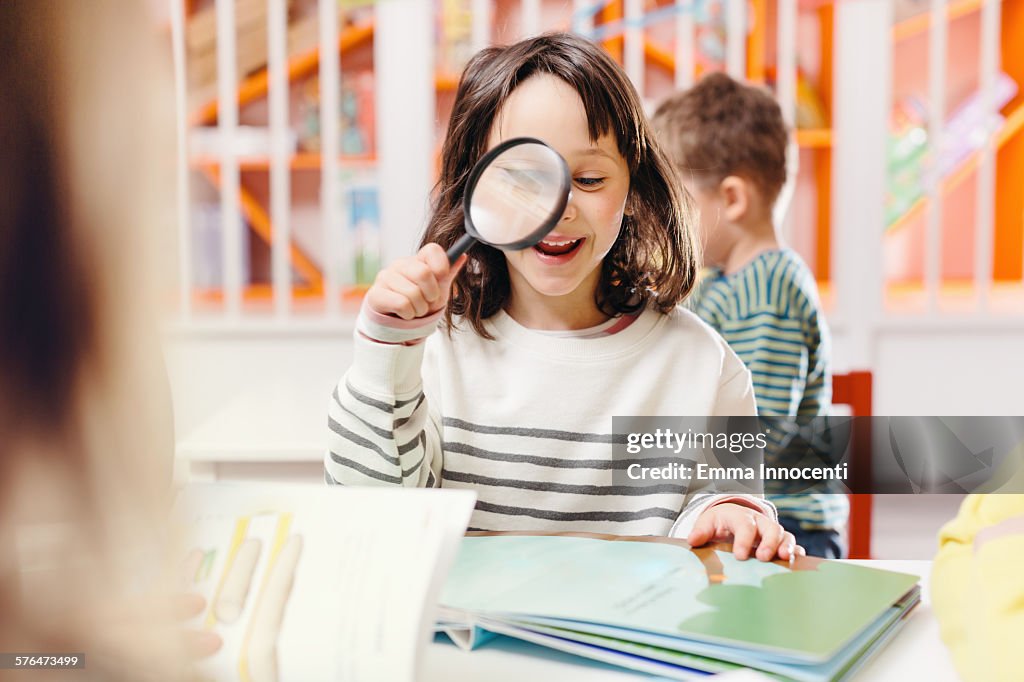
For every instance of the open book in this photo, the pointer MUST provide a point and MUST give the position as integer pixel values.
(656, 605)
(308, 582)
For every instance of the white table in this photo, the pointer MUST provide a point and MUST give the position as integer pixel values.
(916, 653)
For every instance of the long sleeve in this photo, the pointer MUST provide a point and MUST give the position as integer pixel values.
(381, 428)
(735, 399)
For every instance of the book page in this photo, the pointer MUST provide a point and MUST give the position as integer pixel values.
(667, 588)
(315, 582)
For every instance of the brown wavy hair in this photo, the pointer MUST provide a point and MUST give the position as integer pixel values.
(723, 127)
(654, 260)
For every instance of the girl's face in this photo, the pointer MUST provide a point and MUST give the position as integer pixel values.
(567, 263)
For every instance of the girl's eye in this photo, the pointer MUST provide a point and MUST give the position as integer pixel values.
(590, 182)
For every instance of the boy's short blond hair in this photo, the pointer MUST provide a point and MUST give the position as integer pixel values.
(723, 127)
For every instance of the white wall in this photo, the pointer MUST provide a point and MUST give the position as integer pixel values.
(923, 372)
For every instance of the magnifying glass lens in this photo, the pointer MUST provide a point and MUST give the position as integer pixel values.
(517, 193)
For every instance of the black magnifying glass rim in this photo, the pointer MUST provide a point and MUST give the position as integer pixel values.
(548, 223)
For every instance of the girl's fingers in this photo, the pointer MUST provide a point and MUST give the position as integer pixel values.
(744, 534)
(421, 275)
(437, 260)
(702, 531)
(434, 257)
(415, 287)
(771, 537)
(788, 547)
(388, 302)
(398, 283)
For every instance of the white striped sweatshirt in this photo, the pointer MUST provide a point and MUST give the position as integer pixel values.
(525, 419)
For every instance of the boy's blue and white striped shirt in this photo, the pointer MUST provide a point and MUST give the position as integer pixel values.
(770, 315)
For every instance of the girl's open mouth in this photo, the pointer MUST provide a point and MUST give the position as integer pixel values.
(558, 251)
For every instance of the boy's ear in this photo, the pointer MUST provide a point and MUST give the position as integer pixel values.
(735, 196)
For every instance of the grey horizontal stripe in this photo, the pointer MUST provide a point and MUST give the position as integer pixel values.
(411, 445)
(574, 436)
(361, 442)
(366, 471)
(383, 433)
(406, 473)
(560, 463)
(430, 479)
(404, 420)
(328, 479)
(403, 403)
(549, 515)
(657, 488)
(367, 400)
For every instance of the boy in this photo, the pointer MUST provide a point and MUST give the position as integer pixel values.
(728, 141)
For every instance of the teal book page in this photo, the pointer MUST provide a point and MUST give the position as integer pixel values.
(657, 585)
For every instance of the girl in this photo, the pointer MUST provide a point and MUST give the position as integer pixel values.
(541, 347)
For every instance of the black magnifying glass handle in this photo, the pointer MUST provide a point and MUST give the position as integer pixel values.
(460, 247)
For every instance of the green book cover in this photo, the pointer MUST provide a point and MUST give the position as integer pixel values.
(806, 613)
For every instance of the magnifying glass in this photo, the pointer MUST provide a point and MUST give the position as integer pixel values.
(516, 195)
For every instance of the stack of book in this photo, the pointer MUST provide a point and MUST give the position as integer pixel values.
(657, 605)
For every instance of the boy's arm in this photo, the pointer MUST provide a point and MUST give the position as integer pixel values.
(817, 397)
(381, 430)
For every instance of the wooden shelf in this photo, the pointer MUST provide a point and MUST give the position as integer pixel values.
(299, 66)
(908, 28)
(1013, 124)
(814, 138)
(259, 221)
(265, 292)
(299, 161)
(446, 82)
(659, 55)
(811, 138)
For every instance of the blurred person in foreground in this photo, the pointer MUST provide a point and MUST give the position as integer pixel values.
(977, 586)
(86, 123)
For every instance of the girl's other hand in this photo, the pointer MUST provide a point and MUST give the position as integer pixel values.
(416, 286)
(748, 529)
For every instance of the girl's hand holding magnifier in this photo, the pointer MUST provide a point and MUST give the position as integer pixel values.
(514, 197)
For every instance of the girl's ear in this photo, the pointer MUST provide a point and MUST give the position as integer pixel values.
(735, 196)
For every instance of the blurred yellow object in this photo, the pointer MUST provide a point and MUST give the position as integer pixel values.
(978, 587)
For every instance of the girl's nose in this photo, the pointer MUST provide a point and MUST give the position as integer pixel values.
(570, 210)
